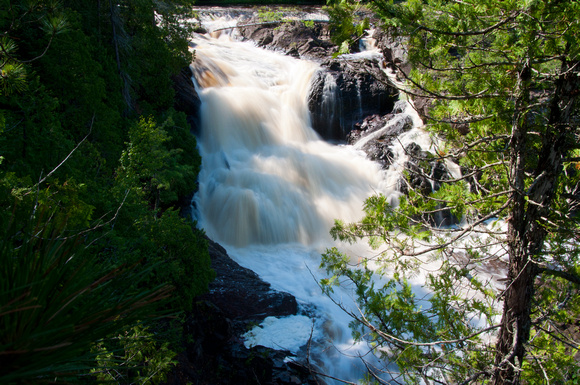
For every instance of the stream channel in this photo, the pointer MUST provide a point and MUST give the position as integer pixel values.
(270, 189)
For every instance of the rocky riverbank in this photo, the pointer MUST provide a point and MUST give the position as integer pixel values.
(343, 92)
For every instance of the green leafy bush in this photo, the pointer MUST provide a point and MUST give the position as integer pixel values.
(134, 356)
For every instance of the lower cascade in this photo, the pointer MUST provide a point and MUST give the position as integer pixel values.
(270, 190)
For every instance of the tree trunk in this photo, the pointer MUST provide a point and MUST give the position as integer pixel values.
(527, 226)
(115, 37)
(116, 20)
(516, 322)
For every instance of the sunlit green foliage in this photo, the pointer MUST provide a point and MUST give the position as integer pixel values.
(266, 15)
(503, 82)
(347, 26)
(145, 361)
(555, 358)
(156, 166)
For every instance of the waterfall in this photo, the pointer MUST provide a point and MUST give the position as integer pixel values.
(270, 189)
(267, 178)
(330, 112)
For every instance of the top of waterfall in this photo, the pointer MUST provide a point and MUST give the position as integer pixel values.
(215, 18)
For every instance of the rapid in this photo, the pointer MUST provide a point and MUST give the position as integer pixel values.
(270, 190)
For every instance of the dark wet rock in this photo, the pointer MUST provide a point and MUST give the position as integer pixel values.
(380, 151)
(369, 125)
(215, 352)
(425, 174)
(345, 92)
(394, 50)
(393, 126)
(462, 128)
(417, 174)
(294, 38)
(186, 98)
(262, 34)
(241, 294)
(422, 106)
(184, 205)
(383, 131)
(187, 101)
(353, 136)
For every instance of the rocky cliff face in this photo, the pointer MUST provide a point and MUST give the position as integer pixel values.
(186, 97)
(347, 91)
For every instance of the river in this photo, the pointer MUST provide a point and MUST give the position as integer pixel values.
(270, 190)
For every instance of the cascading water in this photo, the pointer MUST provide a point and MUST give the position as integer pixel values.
(270, 189)
(267, 178)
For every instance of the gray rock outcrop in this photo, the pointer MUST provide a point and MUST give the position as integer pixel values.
(294, 38)
(387, 129)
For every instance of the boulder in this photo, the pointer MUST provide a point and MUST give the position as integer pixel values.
(418, 170)
(294, 38)
(394, 50)
(391, 126)
(425, 173)
(344, 92)
(241, 294)
(368, 125)
(422, 106)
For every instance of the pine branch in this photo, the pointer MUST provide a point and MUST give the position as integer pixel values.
(428, 94)
(567, 275)
(471, 33)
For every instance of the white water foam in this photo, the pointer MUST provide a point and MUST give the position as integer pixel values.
(270, 190)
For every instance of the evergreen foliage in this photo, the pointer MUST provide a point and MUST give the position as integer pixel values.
(503, 78)
(347, 26)
(93, 245)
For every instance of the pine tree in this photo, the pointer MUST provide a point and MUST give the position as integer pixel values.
(503, 78)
